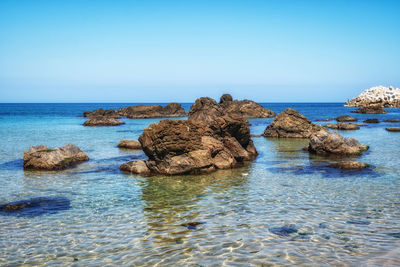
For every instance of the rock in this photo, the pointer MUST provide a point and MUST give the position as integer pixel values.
(153, 111)
(255, 135)
(42, 158)
(291, 124)
(102, 121)
(329, 143)
(349, 165)
(129, 144)
(377, 96)
(35, 206)
(392, 120)
(246, 108)
(284, 230)
(343, 126)
(370, 110)
(345, 118)
(393, 129)
(101, 112)
(208, 140)
(225, 98)
(371, 121)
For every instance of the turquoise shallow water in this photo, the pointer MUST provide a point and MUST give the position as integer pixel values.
(285, 208)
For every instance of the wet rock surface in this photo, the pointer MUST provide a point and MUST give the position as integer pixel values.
(327, 143)
(102, 121)
(210, 139)
(291, 124)
(42, 158)
(370, 110)
(349, 165)
(35, 206)
(129, 144)
(343, 126)
(372, 121)
(393, 129)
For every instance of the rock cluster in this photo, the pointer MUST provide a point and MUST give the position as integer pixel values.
(210, 139)
(291, 124)
(377, 96)
(370, 110)
(342, 126)
(43, 158)
(328, 143)
(153, 111)
(247, 108)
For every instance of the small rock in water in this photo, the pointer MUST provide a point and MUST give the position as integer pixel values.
(345, 118)
(394, 129)
(283, 230)
(392, 120)
(349, 165)
(372, 121)
(192, 225)
(358, 221)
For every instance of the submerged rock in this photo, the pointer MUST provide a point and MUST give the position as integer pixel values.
(371, 121)
(283, 230)
(129, 144)
(393, 129)
(329, 143)
(153, 111)
(291, 124)
(377, 96)
(35, 206)
(342, 126)
(102, 121)
(247, 108)
(349, 165)
(42, 158)
(345, 118)
(210, 139)
(370, 110)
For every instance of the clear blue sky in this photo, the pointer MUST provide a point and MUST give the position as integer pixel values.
(161, 51)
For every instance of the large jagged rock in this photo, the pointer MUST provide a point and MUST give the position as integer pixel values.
(329, 143)
(343, 126)
(42, 158)
(210, 139)
(102, 112)
(377, 96)
(247, 108)
(102, 121)
(370, 110)
(153, 111)
(291, 124)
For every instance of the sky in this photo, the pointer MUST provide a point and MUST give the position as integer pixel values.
(163, 51)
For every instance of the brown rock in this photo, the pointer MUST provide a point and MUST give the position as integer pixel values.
(246, 108)
(371, 121)
(329, 143)
(136, 167)
(349, 165)
(393, 129)
(370, 110)
(392, 120)
(291, 124)
(225, 98)
(343, 126)
(129, 144)
(40, 157)
(101, 112)
(345, 118)
(153, 111)
(102, 121)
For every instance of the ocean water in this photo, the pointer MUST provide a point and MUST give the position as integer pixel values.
(285, 208)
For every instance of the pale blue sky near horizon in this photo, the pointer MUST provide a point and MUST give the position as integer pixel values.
(162, 51)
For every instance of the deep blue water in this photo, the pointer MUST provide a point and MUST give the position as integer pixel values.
(284, 208)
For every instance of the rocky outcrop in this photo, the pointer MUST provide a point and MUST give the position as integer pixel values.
(153, 111)
(345, 118)
(102, 112)
(343, 126)
(371, 121)
(129, 144)
(393, 129)
(210, 139)
(349, 165)
(247, 108)
(377, 96)
(102, 121)
(291, 124)
(43, 158)
(327, 143)
(370, 110)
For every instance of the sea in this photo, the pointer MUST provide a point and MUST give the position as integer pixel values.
(286, 208)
